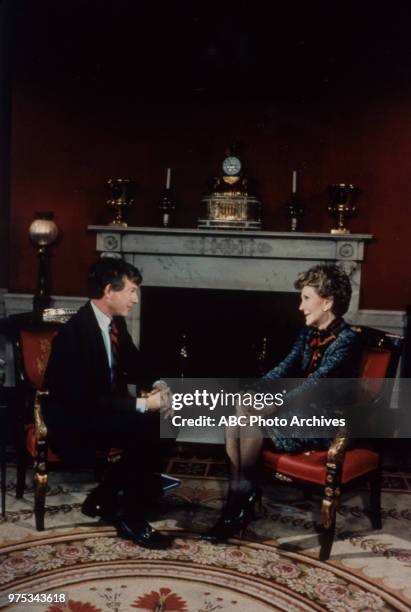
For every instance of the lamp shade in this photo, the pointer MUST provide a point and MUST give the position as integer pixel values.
(43, 231)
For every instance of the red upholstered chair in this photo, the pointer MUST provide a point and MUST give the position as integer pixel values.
(332, 472)
(32, 350)
(37, 444)
(32, 340)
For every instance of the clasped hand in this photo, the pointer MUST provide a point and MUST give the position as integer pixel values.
(160, 399)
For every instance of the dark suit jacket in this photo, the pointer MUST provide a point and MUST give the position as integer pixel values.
(78, 374)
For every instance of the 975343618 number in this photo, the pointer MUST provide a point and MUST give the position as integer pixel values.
(37, 598)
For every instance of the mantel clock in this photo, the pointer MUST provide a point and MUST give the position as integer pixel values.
(230, 205)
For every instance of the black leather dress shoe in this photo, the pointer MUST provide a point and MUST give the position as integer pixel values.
(100, 504)
(143, 534)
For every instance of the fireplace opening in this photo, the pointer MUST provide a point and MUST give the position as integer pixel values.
(206, 333)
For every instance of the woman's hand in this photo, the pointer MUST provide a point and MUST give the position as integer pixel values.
(160, 399)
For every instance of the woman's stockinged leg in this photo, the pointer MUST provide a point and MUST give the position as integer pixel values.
(243, 452)
(250, 451)
(232, 450)
(243, 447)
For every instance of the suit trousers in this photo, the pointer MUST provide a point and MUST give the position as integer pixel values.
(76, 438)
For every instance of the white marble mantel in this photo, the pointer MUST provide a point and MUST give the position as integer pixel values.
(225, 259)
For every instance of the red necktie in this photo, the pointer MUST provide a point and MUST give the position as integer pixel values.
(115, 353)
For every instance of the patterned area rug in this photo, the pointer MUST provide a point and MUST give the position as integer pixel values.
(275, 566)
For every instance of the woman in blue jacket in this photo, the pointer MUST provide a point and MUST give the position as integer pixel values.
(326, 347)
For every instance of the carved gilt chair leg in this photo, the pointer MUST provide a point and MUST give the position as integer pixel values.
(332, 492)
(40, 462)
(40, 484)
(328, 513)
(375, 500)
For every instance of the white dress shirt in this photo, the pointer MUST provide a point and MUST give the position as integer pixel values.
(104, 323)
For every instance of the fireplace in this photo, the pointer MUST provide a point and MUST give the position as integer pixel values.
(209, 333)
(241, 263)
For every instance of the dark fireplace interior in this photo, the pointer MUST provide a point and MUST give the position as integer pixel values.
(202, 333)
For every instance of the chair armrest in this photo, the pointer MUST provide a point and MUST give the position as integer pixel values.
(336, 451)
(39, 424)
(333, 473)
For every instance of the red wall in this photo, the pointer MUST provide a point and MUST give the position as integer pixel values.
(69, 135)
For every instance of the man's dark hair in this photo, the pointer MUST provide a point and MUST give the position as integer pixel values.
(110, 271)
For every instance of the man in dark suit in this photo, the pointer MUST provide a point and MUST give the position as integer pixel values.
(92, 361)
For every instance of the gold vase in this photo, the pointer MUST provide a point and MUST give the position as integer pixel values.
(342, 204)
(122, 197)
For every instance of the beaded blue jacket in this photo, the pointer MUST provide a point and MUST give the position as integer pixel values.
(340, 359)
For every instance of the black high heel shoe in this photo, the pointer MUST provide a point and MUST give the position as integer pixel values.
(234, 518)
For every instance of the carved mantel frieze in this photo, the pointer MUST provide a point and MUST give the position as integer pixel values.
(215, 243)
(247, 260)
